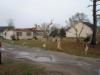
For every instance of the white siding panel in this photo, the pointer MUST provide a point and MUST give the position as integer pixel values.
(85, 31)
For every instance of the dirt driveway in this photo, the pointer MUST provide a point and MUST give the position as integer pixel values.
(56, 63)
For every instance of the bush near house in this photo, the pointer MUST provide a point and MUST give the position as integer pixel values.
(13, 37)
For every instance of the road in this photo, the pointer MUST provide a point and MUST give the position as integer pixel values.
(56, 63)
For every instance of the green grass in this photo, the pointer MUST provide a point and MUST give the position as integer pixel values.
(15, 67)
(30, 43)
(69, 46)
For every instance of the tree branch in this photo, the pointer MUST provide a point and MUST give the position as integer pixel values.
(90, 5)
(97, 0)
(98, 10)
(98, 14)
(97, 4)
(81, 30)
(91, 0)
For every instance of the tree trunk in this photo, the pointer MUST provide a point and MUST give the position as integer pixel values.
(93, 41)
(0, 58)
(0, 53)
(78, 40)
(44, 42)
(59, 44)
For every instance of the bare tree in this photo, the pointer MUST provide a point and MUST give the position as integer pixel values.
(11, 23)
(78, 33)
(93, 41)
(78, 17)
(45, 28)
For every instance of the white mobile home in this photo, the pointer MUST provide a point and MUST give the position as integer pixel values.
(81, 29)
(26, 33)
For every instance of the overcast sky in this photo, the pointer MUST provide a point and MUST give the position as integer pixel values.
(25, 13)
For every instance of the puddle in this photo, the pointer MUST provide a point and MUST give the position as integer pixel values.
(55, 73)
(44, 59)
(38, 57)
(19, 55)
(10, 48)
(23, 53)
(2, 49)
(82, 63)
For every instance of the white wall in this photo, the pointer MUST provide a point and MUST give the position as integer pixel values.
(1, 33)
(8, 35)
(85, 32)
(24, 35)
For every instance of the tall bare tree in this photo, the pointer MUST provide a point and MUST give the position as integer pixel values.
(93, 41)
(78, 17)
(11, 23)
(45, 28)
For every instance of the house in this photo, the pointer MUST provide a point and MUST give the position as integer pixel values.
(37, 32)
(98, 31)
(3, 28)
(80, 29)
(22, 33)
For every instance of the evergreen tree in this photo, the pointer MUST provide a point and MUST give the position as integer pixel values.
(62, 33)
(54, 33)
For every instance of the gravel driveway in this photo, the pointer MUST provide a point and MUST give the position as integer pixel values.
(56, 63)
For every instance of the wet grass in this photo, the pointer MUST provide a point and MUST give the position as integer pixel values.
(69, 46)
(15, 67)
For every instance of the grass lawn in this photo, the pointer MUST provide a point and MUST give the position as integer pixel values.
(69, 46)
(16, 67)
